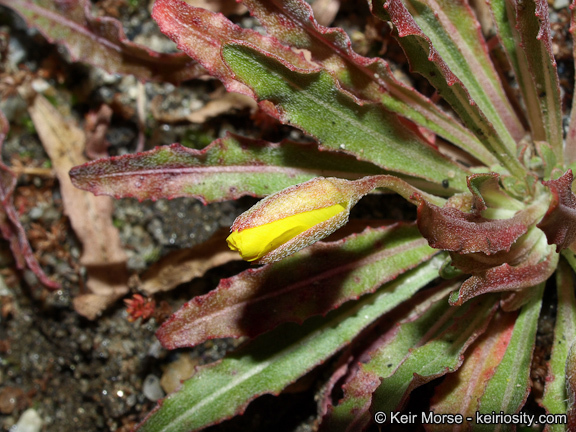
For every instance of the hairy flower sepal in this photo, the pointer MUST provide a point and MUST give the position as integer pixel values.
(283, 223)
(292, 219)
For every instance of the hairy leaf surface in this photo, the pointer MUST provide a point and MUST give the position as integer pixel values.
(555, 396)
(311, 282)
(508, 388)
(228, 168)
(525, 34)
(426, 32)
(439, 352)
(313, 102)
(370, 79)
(276, 359)
(201, 34)
(406, 330)
(460, 391)
(559, 223)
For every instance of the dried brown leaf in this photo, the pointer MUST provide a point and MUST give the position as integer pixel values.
(90, 216)
(222, 105)
(186, 264)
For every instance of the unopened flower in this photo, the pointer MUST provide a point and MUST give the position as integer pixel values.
(292, 219)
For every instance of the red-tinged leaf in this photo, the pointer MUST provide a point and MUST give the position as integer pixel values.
(406, 329)
(315, 103)
(570, 147)
(435, 38)
(555, 395)
(370, 79)
(476, 263)
(453, 230)
(459, 392)
(228, 168)
(537, 268)
(274, 360)
(201, 34)
(559, 223)
(506, 391)
(571, 387)
(536, 41)
(311, 282)
(441, 352)
(101, 41)
(10, 225)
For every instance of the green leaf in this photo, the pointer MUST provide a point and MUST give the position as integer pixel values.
(555, 397)
(460, 391)
(509, 386)
(525, 34)
(276, 359)
(571, 387)
(570, 148)
(322, 277)
(313, 102)
(443, 43)
(228, 168)
(371, 79)
(406, 328)
(440, 351)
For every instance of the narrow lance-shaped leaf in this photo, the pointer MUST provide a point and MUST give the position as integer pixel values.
(444, 343)
(455, 34)
(293, 23)
(524, 33)
(313, 102)
(570, 146)
(405, 331)
(311, 282)
(228, 168)
(571, 387)
(508, 388)
(101, 41)
(555, 397)
(201, 34)
(536, 42)
(276, 359)
(461, 391)
(461, 88)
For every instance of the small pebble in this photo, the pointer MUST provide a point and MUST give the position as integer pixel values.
(152, 389)
(561, 4)
(29, 421)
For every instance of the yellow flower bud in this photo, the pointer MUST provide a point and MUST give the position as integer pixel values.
(292, 219)
(254, 243)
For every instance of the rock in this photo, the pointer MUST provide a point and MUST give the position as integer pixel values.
(152, 389)
(29, 421)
